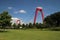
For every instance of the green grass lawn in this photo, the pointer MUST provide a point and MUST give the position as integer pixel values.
(30, 35)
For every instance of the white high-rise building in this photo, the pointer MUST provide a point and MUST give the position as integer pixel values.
(16, 21)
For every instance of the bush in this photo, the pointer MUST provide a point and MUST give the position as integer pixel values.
(55, 29)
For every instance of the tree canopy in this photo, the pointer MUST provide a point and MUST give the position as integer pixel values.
(5, 19)
(53, 19)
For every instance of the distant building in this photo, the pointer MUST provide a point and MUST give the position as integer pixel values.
(16, 21)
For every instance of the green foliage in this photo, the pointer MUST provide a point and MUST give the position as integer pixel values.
(54, 28)
(53, 19)
(27, 26)
(30, 25)
(18, 26)
(29, 35)
(23, 26)
(5, 19)
(14, 26)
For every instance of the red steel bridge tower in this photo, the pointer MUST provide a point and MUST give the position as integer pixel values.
(36, 12)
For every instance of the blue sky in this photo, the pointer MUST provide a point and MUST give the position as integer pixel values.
(25, 9)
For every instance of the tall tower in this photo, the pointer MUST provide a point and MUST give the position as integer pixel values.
(36, 12)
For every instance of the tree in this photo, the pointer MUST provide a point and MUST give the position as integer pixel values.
(23, 25)
(27, 26)
(33, 25)
(30, 25)
(14, 26)
(53, 19)
(37, 25)
(5, 19)
(18, 26)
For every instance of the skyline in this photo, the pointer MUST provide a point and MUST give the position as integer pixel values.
(25, 9)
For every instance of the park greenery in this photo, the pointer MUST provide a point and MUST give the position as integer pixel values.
(31, 34)
(49, 30)
(5, 19)
(51, 22)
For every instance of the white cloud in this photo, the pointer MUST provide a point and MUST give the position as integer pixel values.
(9, 7)
(14, 18)
(22, 11)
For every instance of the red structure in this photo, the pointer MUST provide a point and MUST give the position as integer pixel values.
(36, 12)
(17, 21)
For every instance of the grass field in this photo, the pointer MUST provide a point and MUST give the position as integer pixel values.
(29, 35)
